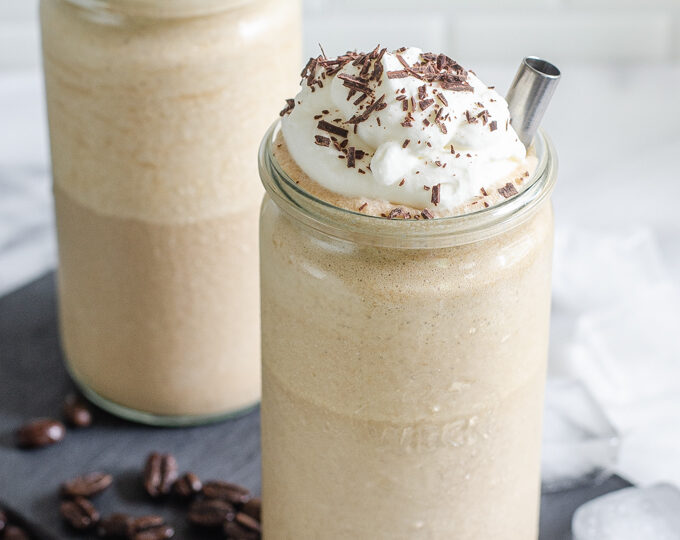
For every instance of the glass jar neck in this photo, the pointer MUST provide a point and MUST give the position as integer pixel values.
(399, 233)
(161, 9)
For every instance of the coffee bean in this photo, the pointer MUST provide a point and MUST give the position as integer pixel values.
(40, 433)
(116, 526)
(235, 531)
(187, 486)
(253, 508)
(160, 472)
(3, 521)
(87, 485)
(76, 412)
(145, 523)
(231, 493)
(12, 532)
(248, 522)
(156, 533)
(79, 513)
(211, 512)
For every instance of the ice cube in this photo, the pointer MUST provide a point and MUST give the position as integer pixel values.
(579, 442)
(650, 513)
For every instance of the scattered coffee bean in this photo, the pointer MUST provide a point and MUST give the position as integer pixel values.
(187, 486)
(146, 523)
(160, 473)
(116, 526)
(253, 508)
(211, 512)
(3, 521)
(235, 531)
(41, 432)
(248, 522)
(79, 513)
(157, 533)
(231, 493)
(86, 485)
(76, 412)
(12, 532)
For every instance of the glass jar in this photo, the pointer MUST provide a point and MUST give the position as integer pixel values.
(403, 365)
(156, 108)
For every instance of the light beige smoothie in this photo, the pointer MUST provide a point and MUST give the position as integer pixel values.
(403, 359)
(155, 111)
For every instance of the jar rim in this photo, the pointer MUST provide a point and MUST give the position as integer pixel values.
(164, 9)
(407, 233)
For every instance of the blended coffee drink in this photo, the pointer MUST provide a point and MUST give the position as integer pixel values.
(156, 109)
(406, 243)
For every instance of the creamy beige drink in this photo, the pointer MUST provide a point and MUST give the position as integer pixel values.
(156, 108)
(404, 331)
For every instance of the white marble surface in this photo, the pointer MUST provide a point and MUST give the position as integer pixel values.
(617, 221)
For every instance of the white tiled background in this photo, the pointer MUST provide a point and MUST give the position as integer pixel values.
(471, 30)
(480, 30)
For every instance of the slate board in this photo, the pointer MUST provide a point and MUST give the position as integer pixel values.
(33, 383)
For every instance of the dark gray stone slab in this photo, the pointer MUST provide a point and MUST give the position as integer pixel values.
(33, 383)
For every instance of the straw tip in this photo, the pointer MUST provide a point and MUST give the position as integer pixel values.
(542, 67)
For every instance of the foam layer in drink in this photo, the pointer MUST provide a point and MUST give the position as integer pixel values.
(152, 123)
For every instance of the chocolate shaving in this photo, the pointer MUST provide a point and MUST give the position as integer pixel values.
(493, 126)
(355, 83)
(425, 103)
(470, 118)
(435, 194)
(321, 140)
(399, 74)
(406, 141)
(350, 157)
(441, 98)
(360, 99)
(508, 190)
(363, 206)
(398, 212)
(427, 214)
(332, 128)
(456, 86)
(290, 105)
(483, 192)
(359, 154)
(377, 105)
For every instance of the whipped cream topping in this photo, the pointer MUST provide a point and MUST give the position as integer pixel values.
(405, 127)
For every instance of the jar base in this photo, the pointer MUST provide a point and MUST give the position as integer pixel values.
(152, 419)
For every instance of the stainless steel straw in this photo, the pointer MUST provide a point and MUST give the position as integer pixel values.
(529, 95)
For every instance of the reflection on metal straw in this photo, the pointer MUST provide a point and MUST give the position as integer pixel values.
(529, 95)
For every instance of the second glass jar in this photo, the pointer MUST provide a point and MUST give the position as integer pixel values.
(155, 111)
